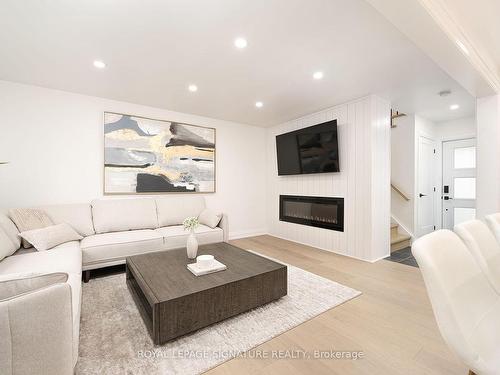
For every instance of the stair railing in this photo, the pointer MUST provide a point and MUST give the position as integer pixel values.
(400, 192)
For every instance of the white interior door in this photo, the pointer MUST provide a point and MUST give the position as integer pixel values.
(459, 182)
(426, 186)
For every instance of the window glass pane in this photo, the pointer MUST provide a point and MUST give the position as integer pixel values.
(463, 214)
(464, 188)
(465, 157)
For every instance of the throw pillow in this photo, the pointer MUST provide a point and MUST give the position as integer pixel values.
(48, 237)
(209, 218)
(6, 246)
(27, 219)
(10, 230)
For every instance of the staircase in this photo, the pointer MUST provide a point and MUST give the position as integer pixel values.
(399, 240)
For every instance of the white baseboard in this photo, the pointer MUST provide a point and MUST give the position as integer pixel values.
(247, 233)
(376, 260)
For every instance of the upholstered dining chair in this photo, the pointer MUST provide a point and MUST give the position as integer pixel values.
(466, 306)
(484, 247)
(493, 222)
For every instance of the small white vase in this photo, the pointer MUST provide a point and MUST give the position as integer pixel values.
(192, 245)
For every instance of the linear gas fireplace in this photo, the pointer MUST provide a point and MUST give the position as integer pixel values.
(322, 212)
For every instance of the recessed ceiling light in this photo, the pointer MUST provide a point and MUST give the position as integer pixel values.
(259, 104)
(454, 106)
(462, 47)
(193, 88)
(318, 75)
(240, 43)
(99, 64)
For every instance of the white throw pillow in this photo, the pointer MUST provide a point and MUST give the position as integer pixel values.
(48, 237)
(6, 246)
(10, 230)
(27, 219)
(209, 218)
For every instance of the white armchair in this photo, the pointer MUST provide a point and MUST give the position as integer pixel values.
(493, 222)
(36, 330)
(483, 247)
(466, 306)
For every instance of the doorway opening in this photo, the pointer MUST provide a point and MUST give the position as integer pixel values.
(433, 176)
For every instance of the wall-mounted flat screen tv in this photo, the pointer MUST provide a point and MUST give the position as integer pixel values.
(310, 150)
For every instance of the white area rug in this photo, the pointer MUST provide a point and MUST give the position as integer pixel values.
(114, 339)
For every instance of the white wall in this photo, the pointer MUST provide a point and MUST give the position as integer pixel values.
(488, 155)
(364, 181)
(456, 129)
(54, 143)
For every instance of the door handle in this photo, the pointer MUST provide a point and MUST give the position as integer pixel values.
(421, 195)
(447, 198)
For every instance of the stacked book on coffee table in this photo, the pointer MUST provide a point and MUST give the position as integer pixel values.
(200, 269)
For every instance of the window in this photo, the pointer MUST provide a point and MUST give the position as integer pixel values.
(464, 188)
(461, 214)
(464, 157)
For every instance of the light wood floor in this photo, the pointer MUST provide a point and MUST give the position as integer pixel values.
(392, 322)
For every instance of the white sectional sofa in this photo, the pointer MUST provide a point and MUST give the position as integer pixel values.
(124, 227)
(112, 229)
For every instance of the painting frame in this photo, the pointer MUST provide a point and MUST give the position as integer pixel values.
(149, 193)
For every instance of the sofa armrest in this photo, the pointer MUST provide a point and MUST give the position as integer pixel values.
(15, 287)
(36, 326)
(224, 225)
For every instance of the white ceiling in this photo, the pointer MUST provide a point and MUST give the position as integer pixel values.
(155, 49)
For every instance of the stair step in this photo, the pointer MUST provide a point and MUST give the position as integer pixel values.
(399, 238)
(394, 229)
(399, 242)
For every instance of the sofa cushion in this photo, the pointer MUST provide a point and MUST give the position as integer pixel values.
(51, 236)
(10, 230)
(63, 258)
(173, 210)
(115, 215)
(6, 246)
(79, 216)
(119, 245)
(175, 236)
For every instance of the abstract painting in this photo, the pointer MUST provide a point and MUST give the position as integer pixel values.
(143, 155)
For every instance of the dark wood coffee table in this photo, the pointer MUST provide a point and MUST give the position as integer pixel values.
(174, 302)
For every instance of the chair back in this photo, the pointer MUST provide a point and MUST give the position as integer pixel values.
(483, 246)
(493, 222)
(466, 307)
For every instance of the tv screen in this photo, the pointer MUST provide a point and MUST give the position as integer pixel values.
(309, 150)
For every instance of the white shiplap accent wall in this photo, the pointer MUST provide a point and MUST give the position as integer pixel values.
(363, 181)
